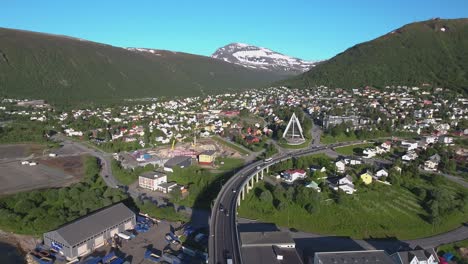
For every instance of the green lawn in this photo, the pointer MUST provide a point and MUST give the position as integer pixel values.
(231, 145)
(353, 149)
(229, 163)
(454, 249)
(287, 146)
(386, 212)
(327, 139)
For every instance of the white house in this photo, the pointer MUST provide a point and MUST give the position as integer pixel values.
(344, 183)
(446, 140)
(381, 173)
(419, 256)
(369, 153)
(432, 163)
(340, 166)
(409, 145)
(353, 162)
(292, 175)
(409, 156)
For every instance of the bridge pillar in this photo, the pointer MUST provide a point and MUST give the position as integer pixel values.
(261, 176)
(247, 187)
(256, 177)
(242, 194)
(268, 169)
(252, 182)
(239, 199)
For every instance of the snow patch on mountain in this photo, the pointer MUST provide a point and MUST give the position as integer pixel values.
(262, 58)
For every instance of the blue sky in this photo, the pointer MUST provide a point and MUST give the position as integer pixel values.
(308, 29)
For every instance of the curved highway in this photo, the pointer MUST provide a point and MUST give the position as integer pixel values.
(224, 243)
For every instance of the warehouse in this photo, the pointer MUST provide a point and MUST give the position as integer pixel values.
(85, 234)
(179, 162)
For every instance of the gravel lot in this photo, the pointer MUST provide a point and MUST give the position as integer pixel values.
(16, 177)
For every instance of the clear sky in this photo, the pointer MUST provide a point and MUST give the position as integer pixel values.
(308, 29)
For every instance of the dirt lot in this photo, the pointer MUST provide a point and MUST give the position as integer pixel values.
(16, 177)
(72, 165)
(16, 151)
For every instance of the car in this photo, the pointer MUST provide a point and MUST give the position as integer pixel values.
(106, 176)
(234, 190)
(221, 208)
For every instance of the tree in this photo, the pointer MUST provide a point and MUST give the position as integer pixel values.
(266, 197)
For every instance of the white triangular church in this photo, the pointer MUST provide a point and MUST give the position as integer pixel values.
(293, 132)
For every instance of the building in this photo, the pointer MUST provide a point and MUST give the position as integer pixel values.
(331, 121)
(90, 232)
(381, 173)
(418, 256)
(342, 183)
(343, 257)
(293, 175)
(268, 248)
(167, 187)
(152, 180)
(207, 157)
(177, 162)
(313, 185)
(366, 178)
(340, 166)
(432, 163)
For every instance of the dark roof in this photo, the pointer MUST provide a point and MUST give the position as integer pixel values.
(177, 160)
(153, 174)
(268, 255)
(421, 254)
(265, 238)
(90, 225)
(167, 184)
(341, 257)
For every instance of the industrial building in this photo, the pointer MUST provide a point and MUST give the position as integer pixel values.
(90, 232)
(179, 162)
(343, 257)
(268, 247)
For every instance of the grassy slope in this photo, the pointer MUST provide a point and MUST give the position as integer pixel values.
(388, 212)
(414, 54)
(352, 150)
(63, 69)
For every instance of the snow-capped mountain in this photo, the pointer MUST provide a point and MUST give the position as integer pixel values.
(262, 59)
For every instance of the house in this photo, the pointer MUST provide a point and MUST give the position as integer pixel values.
(292, 175)
(177, 162)
(409, 145)
(317, 168)
(343, 257)
(381, 173)
(90, 232)
(417, 256)
(387, 145)
(369, 153)
(446, 140)
(168, 187)
(366, 178)
(353, 162)
(340, 166)
(152, 180)
(342, 183)
(313, 185)
(409, 156)
(432, 163)
(206, 157)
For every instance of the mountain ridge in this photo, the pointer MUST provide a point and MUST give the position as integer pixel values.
(72, 70)
(426, 52)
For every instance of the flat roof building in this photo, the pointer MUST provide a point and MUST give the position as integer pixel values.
(87, 233)
(269, 248)
(346, 257)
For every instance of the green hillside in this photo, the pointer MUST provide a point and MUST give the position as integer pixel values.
(433, 52)
(69, 70)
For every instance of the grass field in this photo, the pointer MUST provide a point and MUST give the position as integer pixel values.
(287, 146)
(353, 149)
(386, 212)
(231, 145)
